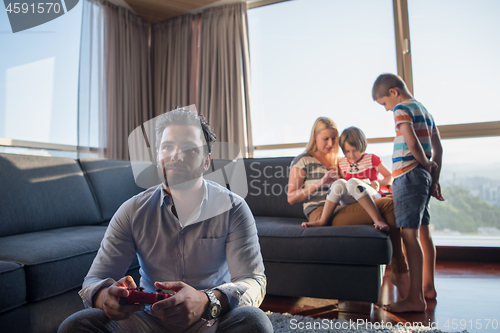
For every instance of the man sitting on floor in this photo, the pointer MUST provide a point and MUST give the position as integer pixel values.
(191, 236)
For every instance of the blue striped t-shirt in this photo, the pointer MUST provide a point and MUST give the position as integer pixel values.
(413, 112)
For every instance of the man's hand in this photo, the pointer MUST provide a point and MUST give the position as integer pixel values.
(436, 191)
(107, 300)
(183, 309)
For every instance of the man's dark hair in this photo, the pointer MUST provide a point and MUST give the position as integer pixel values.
(181, 116)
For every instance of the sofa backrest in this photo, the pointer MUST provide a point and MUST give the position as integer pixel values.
(40, 193)
(267, 180)
(112, 182)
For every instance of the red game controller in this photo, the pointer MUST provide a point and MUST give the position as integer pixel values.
(138, 295)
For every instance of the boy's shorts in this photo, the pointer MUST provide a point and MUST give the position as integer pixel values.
(411, 195)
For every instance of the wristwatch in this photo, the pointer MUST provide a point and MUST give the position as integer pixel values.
(214, 307)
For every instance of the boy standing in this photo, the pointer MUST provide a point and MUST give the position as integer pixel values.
(416, 162)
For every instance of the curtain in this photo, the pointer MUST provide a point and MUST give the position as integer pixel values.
(194, 59)
(171, 51)
(121, 78)
(128, 84)
(224, 74)
(130, 73)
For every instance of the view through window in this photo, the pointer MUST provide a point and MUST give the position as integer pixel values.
(39, 81)
(455, 52)
(312, 58)
(319, 58)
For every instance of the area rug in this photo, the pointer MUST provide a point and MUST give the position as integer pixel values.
(286, 323)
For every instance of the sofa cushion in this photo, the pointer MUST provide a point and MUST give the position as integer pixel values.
(112, 182)
(42, 193)
(285, 240)
(54, 261)
(267, 187)
(13, 290)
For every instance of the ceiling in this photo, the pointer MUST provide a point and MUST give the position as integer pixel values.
(154, 11)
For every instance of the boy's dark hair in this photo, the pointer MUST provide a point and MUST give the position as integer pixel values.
(181, 116)
(354, 137)
(385, 82)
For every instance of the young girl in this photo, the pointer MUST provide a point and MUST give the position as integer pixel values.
(360, 180)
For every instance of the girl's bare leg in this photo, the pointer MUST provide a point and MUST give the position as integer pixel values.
(369, 205)
(325, 216)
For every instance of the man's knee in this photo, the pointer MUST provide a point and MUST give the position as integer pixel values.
(246, 319)
(89, 320)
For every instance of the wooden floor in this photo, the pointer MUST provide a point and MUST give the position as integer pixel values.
(468, 299)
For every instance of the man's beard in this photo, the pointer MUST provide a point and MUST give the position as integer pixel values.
(181, 180)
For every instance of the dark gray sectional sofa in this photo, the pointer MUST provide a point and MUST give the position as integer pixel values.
(328, 262)
(53, 215)
(54, 212)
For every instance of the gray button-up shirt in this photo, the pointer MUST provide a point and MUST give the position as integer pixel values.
(217, 248)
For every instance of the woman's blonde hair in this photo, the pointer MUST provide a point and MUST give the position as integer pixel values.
(320, 124)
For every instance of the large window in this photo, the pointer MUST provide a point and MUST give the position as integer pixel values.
(39, 81)
(470, 183)
(455, 51)
(315, 58)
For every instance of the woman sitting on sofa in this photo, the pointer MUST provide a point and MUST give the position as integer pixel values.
(312, 173)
